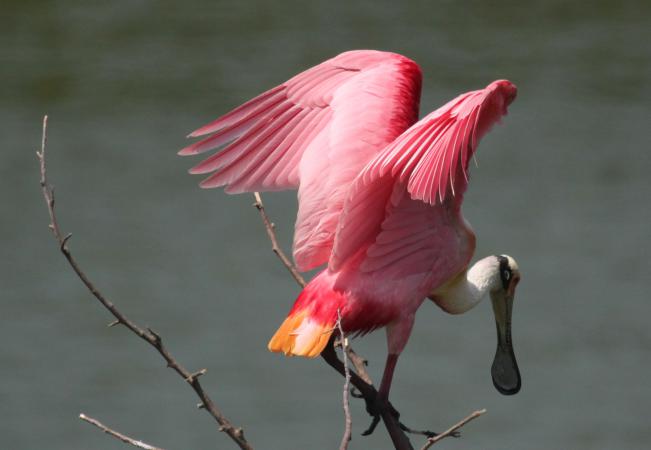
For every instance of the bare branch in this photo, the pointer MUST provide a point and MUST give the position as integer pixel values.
(124, 438)
(349, 421)
(450, 431)
(271, 232)
(148, 335)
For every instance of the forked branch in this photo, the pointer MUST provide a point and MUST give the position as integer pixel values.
(148, 335)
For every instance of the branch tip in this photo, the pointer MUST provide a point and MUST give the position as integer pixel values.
(116, 434)
(453, 429)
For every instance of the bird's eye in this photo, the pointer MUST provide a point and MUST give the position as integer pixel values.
(507, 275)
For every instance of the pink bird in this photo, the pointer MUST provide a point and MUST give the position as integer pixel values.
(379, 197)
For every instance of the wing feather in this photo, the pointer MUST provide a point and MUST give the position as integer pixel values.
(239, 113)
(234, 128)
(417, 183)
(314, 132)
(239, 148)
(248, 160)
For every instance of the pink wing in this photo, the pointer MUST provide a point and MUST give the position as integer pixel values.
(315, 132)
(403, 208)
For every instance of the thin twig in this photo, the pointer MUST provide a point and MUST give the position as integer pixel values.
(360, 364)
(434, 439)
(124, 438)
(271, 232)
(148, 335)
(349, 421)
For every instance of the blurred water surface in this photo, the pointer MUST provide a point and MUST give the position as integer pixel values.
(562, 185)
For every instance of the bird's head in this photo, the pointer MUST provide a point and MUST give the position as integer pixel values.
(505, 277)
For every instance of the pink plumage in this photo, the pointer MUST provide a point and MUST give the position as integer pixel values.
(314, 132)
(379, 193)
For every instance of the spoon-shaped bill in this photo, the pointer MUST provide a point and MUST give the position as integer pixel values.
(505, 372)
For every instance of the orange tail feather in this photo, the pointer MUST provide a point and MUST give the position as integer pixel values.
(300, 335)
(309, 325)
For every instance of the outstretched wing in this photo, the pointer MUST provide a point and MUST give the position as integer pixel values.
(314, 132)
(402, 214)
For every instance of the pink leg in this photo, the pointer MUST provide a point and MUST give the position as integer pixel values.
(397, 337)
(387, 376)
(388, 414)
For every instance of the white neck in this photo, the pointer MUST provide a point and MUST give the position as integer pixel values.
(466, 290)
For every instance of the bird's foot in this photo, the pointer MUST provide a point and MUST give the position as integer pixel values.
(372, 426)
(376, 407)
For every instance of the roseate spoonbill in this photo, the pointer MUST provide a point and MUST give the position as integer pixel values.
(379, 197)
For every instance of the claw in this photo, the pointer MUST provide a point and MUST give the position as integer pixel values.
(355, 393)
(372, 426)
(425, 433)
(375, 408)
